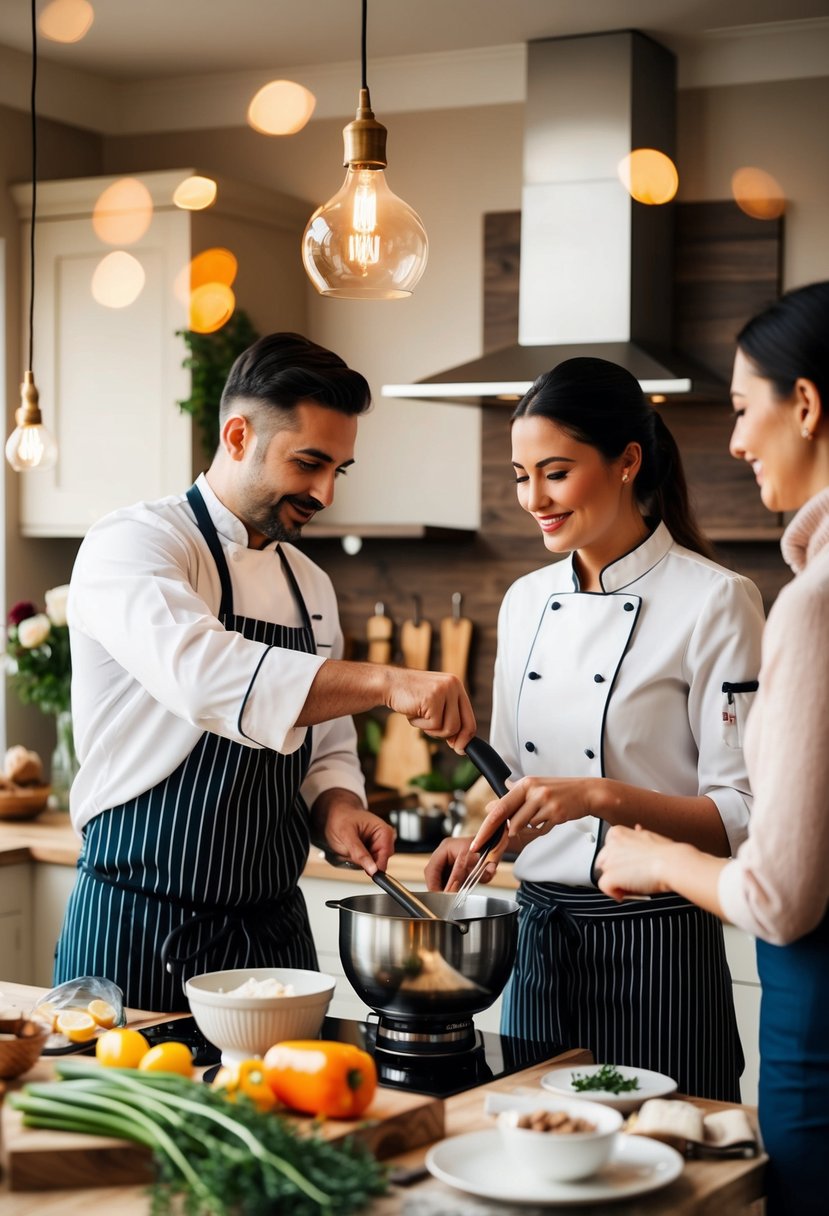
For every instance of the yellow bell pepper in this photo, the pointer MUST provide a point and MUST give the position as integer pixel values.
(246, 1078)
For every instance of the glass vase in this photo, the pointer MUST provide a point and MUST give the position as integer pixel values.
(64, 762)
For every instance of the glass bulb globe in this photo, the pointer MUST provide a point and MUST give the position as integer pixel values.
(365, 243)
(31, 446)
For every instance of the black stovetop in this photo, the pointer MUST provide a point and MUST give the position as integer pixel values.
(492, 1055)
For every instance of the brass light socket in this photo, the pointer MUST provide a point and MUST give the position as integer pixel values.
(364, 139)
(28, 412)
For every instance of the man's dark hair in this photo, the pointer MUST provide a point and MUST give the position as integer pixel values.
(284, 369)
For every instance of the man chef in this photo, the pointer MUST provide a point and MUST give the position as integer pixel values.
(211, 703)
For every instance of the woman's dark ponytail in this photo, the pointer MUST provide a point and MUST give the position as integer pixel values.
(602, 404)
(669, 499)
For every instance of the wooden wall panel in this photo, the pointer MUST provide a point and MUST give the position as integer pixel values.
(727, 267)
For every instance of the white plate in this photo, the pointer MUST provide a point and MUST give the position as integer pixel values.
(478, 1164)
(651, 1085)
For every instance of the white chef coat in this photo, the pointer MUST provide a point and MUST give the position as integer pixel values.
(153, 667)
(627, 683)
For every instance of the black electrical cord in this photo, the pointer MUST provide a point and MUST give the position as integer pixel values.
(363, 43)
(34, 191)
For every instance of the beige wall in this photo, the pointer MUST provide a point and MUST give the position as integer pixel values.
(31, 566)
(780, 127)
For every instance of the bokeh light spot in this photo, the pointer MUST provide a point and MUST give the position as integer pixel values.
(123, 212)
(649, 176)
(211, 307)
(757, 193)
(66, 20)
(195, 193)
(281, 107)
(118, 280)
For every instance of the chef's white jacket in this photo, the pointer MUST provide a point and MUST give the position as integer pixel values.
(632, 683)
(153, 667)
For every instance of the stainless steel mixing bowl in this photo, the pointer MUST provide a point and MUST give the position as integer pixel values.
(403, 966)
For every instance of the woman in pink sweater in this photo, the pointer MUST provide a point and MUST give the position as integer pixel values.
(777, 887)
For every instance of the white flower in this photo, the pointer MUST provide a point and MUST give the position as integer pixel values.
(34, 631)
(56, 604)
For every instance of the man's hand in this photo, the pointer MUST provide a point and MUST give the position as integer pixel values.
(538, 803)
(343, 826)
(434, 702)
(453, 859)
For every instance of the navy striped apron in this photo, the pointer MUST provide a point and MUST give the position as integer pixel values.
(794, 1072)
(643, 983)
(206, 863)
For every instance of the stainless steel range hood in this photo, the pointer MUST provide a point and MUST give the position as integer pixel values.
(596, 266)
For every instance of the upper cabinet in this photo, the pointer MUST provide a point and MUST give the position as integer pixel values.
(109, 377)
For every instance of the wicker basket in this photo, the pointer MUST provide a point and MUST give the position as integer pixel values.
(23, 803)
(20, 1052)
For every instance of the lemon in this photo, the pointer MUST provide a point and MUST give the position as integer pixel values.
(121, 1048)
(77, 1026)
(102, 1012)
(45, 1013)
(168, 1057)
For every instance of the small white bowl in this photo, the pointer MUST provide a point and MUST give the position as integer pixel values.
(560, 1156)
(245, 1026)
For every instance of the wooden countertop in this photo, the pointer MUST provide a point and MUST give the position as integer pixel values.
(723, 1187)
(50, 838)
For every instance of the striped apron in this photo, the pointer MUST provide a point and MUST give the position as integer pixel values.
(204, 866)
(641, 983)
(794, 1072)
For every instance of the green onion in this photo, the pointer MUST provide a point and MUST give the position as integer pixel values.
(221, 1158)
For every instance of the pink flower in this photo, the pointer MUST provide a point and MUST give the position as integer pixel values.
(20, 611)
(34, 630)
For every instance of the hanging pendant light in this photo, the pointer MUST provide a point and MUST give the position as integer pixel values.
(30, 445)
(365, 243)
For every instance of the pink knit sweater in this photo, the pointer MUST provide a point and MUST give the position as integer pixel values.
(778, 885)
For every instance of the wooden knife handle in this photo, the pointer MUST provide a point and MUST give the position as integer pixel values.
(378, 631)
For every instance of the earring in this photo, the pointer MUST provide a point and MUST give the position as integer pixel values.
(806, 433)
(625, 477)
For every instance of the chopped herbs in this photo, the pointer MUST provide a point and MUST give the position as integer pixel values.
(608, 1079)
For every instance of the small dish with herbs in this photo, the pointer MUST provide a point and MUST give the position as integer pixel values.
(617, 1085)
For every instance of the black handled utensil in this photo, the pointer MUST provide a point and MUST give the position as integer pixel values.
(495, 770)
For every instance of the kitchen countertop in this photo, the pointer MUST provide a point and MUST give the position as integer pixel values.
(50, 838)
(707, 1187)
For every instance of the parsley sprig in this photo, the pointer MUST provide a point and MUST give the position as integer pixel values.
(608, 1079)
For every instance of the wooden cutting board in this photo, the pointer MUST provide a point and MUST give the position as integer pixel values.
(404, 753)
(40, 1160)
(455, 640)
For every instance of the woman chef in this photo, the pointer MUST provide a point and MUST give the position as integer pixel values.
(622, 678)
(204, 651)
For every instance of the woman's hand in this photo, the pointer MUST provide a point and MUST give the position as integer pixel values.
(633, 861)
(539, 803)
(453, 859)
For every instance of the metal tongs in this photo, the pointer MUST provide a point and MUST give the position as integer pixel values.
(495, 770)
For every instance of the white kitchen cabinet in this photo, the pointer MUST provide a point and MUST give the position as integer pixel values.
(51, 887)
(15, 923)
(742, 961)
(109, 378)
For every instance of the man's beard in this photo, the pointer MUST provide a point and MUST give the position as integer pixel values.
(269, 522)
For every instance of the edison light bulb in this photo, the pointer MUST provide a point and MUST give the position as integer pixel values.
(30, 445)
(365, 243)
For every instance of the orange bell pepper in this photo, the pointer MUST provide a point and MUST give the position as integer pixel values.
(319, 1077)
(246, 1078)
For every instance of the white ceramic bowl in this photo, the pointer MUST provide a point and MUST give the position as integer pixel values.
(245, 1026)
(560, 1156)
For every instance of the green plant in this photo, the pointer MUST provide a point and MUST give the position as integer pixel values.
(461, 777)
(210, 360)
